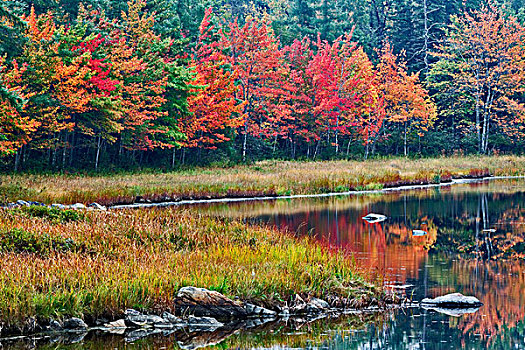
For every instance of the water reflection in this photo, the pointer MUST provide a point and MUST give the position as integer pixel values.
(469, 239)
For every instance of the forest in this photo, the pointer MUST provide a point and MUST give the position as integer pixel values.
(110, 84)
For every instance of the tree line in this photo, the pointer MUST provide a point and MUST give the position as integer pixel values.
(105, 84)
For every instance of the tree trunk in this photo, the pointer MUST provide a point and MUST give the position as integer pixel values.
(17, 159)
(97, 158)
(405, 141)
(244, 145)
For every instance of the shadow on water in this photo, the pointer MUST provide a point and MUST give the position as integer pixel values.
(467, 238)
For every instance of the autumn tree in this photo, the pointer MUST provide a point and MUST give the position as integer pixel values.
(406, 102)
(16, 128)
(254, 54)
(212, 103)
(482, 59)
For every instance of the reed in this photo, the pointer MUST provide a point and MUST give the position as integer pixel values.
(263, 178)
(100, 263)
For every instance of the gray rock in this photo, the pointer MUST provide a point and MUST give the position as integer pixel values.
(257, 311)
(135, 319)
(319, 304)
(74, 323)
(97, 206)
(202, 302)
(419, 233)
(374, 218)
(118, 324)
(54, 326)
(23, 203)
(207, 324)
(452, 301)
(58, 206)
(172, 318)
(77, 206)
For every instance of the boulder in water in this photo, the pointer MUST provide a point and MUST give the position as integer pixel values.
(452, 301)
(373, 218)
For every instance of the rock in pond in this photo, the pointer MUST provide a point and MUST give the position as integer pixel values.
(54, 326)
(74, 323)
(374, 218)
(257, 311)
(418, 233)
(452, 301)
(135, 319)
(202, 302)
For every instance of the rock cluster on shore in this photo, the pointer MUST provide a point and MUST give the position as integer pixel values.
(77, 206)
(196, 309)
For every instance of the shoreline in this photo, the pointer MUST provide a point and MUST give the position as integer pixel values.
(453, 182)
(202, 310)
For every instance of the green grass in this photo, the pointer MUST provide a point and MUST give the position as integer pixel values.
(104, 262)
(263, 178)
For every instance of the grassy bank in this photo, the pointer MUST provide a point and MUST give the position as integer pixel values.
(57, 264)
(263, 178)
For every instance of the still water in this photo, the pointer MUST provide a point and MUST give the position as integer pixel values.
(472, 242)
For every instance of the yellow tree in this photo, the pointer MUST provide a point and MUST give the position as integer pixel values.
(486, 54)
(16, 129)
(406, 102)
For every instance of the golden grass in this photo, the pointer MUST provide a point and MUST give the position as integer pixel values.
(140, 259)
(262, 178)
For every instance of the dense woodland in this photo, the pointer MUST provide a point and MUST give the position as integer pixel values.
(105, 84)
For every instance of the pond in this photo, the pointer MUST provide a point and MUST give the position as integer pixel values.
(467, 238)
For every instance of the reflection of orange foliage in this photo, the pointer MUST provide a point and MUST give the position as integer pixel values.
(500, 285)
(389, 248)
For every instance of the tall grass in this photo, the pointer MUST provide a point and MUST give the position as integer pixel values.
(263, 178)
(105, 262)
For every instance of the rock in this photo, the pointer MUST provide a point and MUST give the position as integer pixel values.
(74, 323)
(257, 311)
(418, 233)
(54, 326)
(203, 323)
(319, 304)
(22, 203)
(402, 286)
(452, 301)
(135, 319)
(58, 206)
(97, 206)
(203, 302)
(77, 206)
(118, 324)
(374, 218)
(172, 318)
